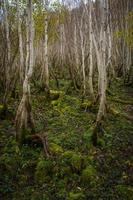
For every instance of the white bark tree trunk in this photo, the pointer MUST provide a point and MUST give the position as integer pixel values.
(76, 47)
(24, 112)
(83, 52)
(103, 82)
(45, 69)
(91, 53)
(7, 31)
(21, 72)
(7, 63)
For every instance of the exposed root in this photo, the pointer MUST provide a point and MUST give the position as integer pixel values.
(23, 118)
(96, 131)
(41, 140)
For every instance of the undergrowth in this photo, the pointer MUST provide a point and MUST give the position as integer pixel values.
(76, 170)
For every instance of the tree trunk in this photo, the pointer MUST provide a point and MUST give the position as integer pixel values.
(24, 112)
(7, 63)
(45, 69)
(21, 72)
(90, 55)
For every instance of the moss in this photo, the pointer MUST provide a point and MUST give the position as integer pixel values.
(66, 172)
(114, 112)
(89, 159)
(76, 161)
(101, 142)
(76, 196)
(44, 171)
(54, 102)
(89, 175)
(125, 191)
(86, 105)
(68, 154)
(55, 149)
(1, 107)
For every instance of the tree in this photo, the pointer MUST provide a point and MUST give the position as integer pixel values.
(24, 113)
(8, 61)
(21, 71)
(45, 69)
(103, 56)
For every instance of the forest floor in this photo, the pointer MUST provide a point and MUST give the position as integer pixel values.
(76, 170)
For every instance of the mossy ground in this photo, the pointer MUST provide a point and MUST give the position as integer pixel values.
(76, 170)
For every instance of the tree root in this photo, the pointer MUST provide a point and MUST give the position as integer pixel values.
(40, 140)
(23, 118)
(97, 131)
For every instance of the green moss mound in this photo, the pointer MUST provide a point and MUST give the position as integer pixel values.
(75, 160)
(76, 196)
(55, 149)
(125, 191)
(44, 171)
(89, 175)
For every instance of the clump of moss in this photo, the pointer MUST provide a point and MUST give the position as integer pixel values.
(76, 196)
(44, 170)
(55, 149)
(66, 172)
(86, 105)
(89, 175)
(74, 160)
(125, 191)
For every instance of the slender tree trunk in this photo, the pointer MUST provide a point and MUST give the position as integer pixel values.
(45, 70)
(24, 112)
(102, 57)
(90, 54)
(83, 53)
(103, 66)
(76, 47)
(21, 71)
(7, 63)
